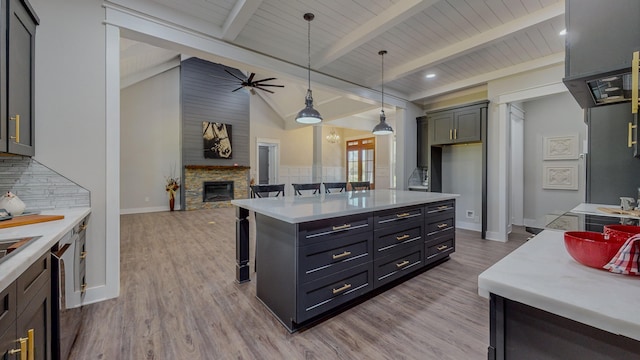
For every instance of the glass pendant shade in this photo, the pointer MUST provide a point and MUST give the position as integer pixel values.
(382, 128)
(308, 115)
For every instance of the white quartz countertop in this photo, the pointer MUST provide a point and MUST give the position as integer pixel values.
(297, 209)
(542, 274)
(50, 232)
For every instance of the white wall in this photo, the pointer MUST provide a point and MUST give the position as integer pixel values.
(70, 116)
(149, 142)
(462, 174)
(556, 115)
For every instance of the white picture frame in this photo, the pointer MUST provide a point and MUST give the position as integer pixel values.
(560, 147)
(560, 177)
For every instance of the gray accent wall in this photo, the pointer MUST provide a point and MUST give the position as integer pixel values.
(207, 96)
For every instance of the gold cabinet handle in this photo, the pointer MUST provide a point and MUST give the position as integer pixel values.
(443, 207)
(450, 134)
(403, 215)
(405, 236)
(17, 120)
(83, 255)
(341, 289)
(442, 247)
(342, 227)
(22, 350)
(440, 226)
(402, 264)
(630, 141)
(83, 227)
(635, 62)
(455, 134)
(339, 256)
(83, 288)
(31, 353)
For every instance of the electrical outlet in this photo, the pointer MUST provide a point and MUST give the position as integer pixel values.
(470, 214)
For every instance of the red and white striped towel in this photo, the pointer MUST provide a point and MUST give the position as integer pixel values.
(627, 260)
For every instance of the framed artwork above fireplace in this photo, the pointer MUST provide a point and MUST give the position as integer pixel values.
(216, 138)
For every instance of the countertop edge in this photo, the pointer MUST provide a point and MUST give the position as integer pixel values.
(50, 232)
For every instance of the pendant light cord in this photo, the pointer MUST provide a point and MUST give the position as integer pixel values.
(382, 80)
(309, 54)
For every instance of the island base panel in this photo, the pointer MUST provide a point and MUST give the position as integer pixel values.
(522, 332)
(242, 245)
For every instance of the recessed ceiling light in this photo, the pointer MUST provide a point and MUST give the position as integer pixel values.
(430, 76)
(563, 32)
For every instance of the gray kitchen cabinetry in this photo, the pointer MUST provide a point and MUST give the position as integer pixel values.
(423, 142)
(456, 126)
(312, 269)
(17, 72)
(25, 321)
(440, 225)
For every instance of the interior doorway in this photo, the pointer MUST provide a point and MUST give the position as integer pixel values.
(268, 160)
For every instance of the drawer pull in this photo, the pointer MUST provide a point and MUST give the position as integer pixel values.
(442, 247)
(83, 288)
(443, 207)
(341, 289)
(341, 227)
(31, 353)
(338, 256)
(440, 226)
(402, 264)
(403, 215)
(405, 236)
(83, 255)
(22, 350)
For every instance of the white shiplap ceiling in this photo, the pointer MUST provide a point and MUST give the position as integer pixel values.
(464, 42)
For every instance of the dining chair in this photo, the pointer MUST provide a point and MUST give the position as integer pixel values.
(262, 191)
(312, 186)
(360, 185)
(328, 186)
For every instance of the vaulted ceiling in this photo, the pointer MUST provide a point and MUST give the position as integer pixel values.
(465, 43)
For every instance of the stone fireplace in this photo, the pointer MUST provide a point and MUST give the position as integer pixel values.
(208, 187)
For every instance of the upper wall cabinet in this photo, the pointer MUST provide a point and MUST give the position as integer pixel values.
(456, 126)
(17, 70)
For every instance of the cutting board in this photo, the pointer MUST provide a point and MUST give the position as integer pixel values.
(28, 219)
(619, 211)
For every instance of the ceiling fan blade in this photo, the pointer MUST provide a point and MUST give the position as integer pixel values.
(261, 80)
(237, 89)
(234, 75)
(258, 87)
(251, 77)
(270, 85)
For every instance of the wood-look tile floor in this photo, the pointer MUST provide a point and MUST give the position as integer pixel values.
(179, 300)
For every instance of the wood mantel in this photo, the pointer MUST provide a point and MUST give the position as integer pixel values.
(216, 167)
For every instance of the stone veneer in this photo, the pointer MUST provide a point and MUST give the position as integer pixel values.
(196, 175)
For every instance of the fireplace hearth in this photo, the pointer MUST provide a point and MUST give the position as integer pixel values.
(213, 191)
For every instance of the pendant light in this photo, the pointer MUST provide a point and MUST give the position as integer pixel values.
(308, 115)
(382, 128)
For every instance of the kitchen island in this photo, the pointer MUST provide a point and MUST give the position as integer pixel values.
(545, 305)
(317, 253)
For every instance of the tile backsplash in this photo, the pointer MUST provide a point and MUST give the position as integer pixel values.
(39, 187)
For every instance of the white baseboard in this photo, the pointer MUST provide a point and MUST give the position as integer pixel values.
(468, 226)
(146, 210)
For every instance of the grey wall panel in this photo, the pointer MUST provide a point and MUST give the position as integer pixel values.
(207, 96)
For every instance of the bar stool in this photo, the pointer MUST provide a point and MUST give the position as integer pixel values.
(312, 186)
(360, 185)
(328, 186)
(260, 191)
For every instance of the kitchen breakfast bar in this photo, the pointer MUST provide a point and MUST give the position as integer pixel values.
(317, 253)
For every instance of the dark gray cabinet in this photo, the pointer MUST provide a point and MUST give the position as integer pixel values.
(17, 60)
(456, 126)
(25, 321)
(423, 142)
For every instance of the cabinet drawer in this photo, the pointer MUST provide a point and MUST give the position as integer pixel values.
(441, 207)
(325, 258)
(28, 284)
(8, 311)
(392, 267)
(392, 239)
(440, 226)
(327, 229)
(317, 297)
(395, 217)
(439, 250)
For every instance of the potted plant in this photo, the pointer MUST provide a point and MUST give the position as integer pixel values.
(173, 184)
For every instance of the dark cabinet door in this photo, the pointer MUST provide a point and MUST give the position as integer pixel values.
(423, 142)
(37, 319)
(612, 170)
(20, 79)
(441, 128)
(467, 126)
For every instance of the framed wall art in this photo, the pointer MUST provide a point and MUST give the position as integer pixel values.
(560, 177)
(560, 147)
(217, 140)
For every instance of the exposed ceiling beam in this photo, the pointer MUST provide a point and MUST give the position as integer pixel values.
(239, 17)
(549, 60)
(471, 44)
(386, 20)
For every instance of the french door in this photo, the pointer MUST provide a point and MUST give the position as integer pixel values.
(361, 160)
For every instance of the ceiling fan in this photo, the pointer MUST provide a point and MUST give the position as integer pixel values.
(253, 84)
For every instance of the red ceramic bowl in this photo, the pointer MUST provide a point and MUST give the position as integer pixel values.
(620, 232)
(590, 248)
